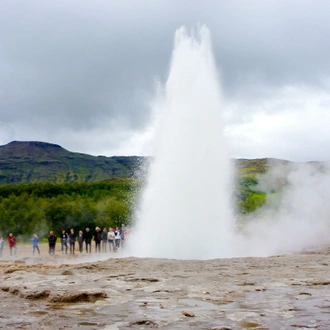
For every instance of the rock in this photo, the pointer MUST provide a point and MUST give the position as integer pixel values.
(189, 314)
(67, 272)
(143, 322)
(36, 294)
(73, 297)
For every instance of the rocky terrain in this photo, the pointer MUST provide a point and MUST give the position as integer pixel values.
(114, 292)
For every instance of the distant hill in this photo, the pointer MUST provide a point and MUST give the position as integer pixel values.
(24, 162)
(257, 166)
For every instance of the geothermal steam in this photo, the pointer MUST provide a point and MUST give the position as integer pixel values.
(185, 209)
(295, 217)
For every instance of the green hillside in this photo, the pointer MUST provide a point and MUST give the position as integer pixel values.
(26, 162)
(40, 162)
(45, 187)
(32, 161)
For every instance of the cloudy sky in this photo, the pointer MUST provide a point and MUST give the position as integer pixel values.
(82, 73)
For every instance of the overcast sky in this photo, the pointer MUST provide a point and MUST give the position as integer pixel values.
(81, 73)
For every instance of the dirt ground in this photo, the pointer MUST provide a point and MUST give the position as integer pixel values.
(108, 291)
(26, 250)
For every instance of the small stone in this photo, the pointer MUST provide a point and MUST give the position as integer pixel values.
(188, 314)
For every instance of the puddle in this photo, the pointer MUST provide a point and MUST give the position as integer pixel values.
(198, 303)
(88, 324)
(38, 313)
(234, 306)
(247, 324)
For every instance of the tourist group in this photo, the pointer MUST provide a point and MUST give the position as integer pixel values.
(112, 240)
(105, 240)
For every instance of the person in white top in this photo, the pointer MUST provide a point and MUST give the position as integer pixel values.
(2, 242)
(111, 240)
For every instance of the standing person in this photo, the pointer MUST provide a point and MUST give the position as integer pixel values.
(73, 238)
(123, 234)
(63, 238)
(117, 238)
(97, 239)
(51, 242)
(35, 243)
(12, 244)
(104, 239)
(2, 242)
(88, 240)
(80, 240)
(111, 240)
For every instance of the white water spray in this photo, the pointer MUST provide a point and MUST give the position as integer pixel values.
(185, 210)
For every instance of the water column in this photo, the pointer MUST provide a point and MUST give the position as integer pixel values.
(185, 210)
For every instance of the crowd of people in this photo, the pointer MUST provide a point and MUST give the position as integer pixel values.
(112, 240)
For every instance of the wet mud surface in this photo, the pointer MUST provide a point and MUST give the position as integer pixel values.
(72, 292)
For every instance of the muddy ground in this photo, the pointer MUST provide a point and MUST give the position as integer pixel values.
(107, 291)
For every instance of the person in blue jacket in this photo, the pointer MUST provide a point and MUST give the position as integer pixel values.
(35, 243)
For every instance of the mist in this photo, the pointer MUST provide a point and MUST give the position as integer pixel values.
(295, 217)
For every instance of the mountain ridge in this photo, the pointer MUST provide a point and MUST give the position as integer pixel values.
(34, 161)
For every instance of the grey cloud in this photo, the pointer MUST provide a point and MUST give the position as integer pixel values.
(83, 64)
(74, 70)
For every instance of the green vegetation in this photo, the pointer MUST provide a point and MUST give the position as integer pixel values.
(41, 207)
(247, 198)
(44, 187)
(251, 167)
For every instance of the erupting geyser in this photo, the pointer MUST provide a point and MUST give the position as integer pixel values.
(185, 210)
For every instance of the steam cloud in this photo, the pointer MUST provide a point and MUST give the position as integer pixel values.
(294, 219)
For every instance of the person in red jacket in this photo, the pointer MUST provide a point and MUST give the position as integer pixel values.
(12, 243)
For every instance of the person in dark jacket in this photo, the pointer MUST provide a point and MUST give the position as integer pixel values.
(80, 240)
(88, 240)
(97, 239)
(104, 239)
(52, 242)
(63, 238)
(73, 238)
